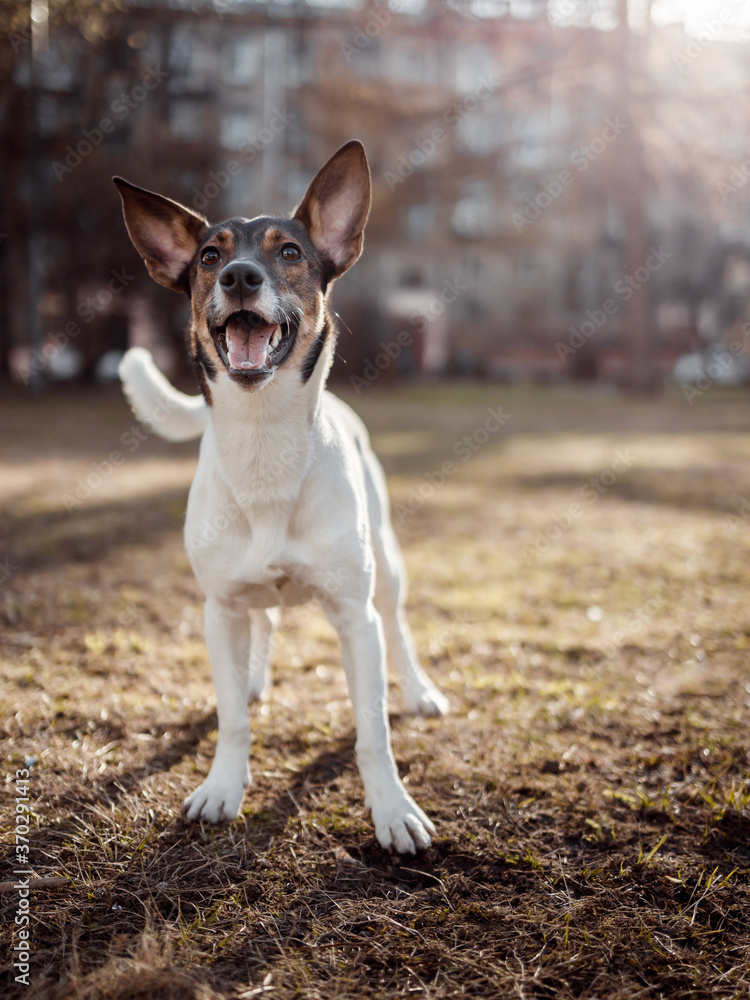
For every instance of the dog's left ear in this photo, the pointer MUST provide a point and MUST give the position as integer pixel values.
(335, 208)
(165, 233)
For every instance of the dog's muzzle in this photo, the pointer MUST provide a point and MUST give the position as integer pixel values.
(251, 347)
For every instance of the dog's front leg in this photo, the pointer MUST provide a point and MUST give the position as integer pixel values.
(228, 641)
(399, 822)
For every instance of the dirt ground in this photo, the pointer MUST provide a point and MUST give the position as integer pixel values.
(580, 571)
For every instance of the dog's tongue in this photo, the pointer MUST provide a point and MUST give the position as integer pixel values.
(248, 347)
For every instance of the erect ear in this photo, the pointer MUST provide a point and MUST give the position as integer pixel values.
(165, 233)
(336, 205)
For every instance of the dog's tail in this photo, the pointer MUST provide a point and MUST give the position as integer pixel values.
(157, 404)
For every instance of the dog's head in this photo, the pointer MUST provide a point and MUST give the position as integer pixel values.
(257, 287)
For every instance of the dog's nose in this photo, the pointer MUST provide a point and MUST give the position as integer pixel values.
(241, 276)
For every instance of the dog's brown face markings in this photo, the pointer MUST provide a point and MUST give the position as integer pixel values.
(290, 295)
(258, 287)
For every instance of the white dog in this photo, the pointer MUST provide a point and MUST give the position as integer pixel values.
(285, 470)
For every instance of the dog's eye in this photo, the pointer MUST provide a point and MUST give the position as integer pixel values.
(290, 252)
(209, 256)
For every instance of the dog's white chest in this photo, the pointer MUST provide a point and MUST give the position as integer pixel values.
(245, 552)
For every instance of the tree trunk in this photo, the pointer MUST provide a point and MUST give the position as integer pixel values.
(633, 186)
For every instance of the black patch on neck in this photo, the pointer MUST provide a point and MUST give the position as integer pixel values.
(202, 365)
(308, 365)
(203, 359)
(205, 387)
(328, 274)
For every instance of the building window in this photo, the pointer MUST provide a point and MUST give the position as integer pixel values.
(472, 63)
(186, 120)
(530, 148)
(419, 221)
(475, 210)
(237, 128)
(480, 134)
(57, 69)
(193, 60)
(413, 63)
(242, 59)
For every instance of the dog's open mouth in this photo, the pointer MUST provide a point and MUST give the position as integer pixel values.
(249, 344)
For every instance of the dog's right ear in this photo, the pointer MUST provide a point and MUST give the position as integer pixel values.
(165, 233)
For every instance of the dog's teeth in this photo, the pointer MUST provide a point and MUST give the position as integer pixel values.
(276, 338)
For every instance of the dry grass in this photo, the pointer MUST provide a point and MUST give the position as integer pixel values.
(590, 789)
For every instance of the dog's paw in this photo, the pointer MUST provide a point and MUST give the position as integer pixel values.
(259, 690)
(401, 825)
(427, 701)
(217, 800)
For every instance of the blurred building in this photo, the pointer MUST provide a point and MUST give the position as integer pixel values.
(502, 150)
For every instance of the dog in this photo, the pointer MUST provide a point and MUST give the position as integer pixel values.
(289, 502)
